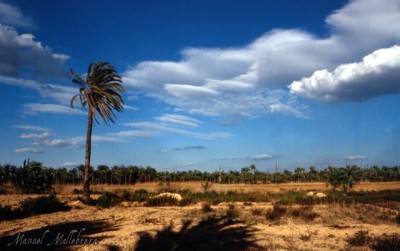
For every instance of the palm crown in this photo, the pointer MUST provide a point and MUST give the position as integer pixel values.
(100, 92)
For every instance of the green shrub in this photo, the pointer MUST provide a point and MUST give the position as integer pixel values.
(108, 199)
(29, 207)
(7, 213)
(33, 178)
(42, 204)
(140, 195)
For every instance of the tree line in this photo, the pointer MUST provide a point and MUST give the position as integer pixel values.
(32, 175)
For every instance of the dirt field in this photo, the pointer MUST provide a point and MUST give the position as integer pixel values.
(226, 226)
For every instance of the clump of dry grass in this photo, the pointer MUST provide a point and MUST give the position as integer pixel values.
(232, 212)
(304, 212)
(276, 213)
(206, 207)
(386, 242)
(256, 212)
(360, 238)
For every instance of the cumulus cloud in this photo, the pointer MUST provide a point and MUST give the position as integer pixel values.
(239, 81)
(22, 56)
(377, 74)
(29, 150)
(13, 16)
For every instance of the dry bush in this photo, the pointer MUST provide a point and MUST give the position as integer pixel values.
(304, 212)
(386, 242)
(232, 211)
(276, 213)
(256, 212)
(108, 199)
(206, 207)
(305, 237)
(360, 238)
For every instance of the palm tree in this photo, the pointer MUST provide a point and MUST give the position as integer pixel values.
(100, 94)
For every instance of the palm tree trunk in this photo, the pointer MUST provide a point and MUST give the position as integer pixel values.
(86, 180)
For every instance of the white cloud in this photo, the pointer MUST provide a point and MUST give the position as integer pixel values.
(262, 156)
(29, 150)
(31, 128)
(377, 74)
(356, 157)
(35, 136)
(35, 108)
(155, 128)
(239, 81)
(80, 141)
(189, 91)
(61, 94)
(179, 120)
(61, 142)
(70, 163)
(19, 52)
(13, 16)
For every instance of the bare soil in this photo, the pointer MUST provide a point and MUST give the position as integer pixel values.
(228, 226)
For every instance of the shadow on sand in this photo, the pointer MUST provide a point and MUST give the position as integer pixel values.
(217, 234)
(57, 237)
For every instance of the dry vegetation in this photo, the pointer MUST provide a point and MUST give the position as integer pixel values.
(196, 186)
(228, 217)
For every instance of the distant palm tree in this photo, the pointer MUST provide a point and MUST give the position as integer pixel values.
(100, 94)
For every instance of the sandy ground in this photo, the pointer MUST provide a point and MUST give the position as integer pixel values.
(130, 225)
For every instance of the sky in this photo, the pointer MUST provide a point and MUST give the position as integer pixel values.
(210, 85)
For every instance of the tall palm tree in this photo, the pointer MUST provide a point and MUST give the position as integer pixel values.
(100, 94)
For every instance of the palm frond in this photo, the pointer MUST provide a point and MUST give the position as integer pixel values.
(101, 91)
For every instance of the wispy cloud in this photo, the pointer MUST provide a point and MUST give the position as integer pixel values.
(185, 148)
(58, 93)
(377, 74)
(29, 150)
(262, 156)
(36, 108)
(70, 164)
(356, 157)
(31, 128)
(158, 128)
(80, 141)
(240, 81)
(179, 120)
(35, 136)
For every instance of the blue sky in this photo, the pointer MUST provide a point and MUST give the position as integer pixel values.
(209, 84)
